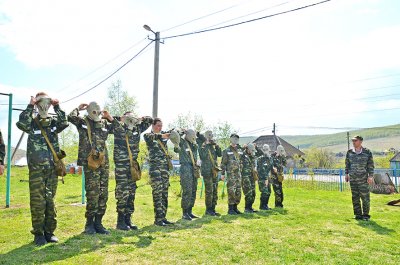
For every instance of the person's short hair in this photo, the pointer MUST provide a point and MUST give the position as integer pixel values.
(156, 120)
(41, 94)
(357, 137)
(234, 135)
(127, 112)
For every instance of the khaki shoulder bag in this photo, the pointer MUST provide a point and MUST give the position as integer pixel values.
(95, 159)
(170, 166)
(196, 168)
(134, 165)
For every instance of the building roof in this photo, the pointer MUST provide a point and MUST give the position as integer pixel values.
(395, 158)
(273, 141)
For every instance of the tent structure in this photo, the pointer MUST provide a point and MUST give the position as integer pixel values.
(383, 184)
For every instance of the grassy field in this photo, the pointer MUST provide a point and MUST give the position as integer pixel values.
(315, 227)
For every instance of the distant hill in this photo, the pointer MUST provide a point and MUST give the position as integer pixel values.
(378, 139)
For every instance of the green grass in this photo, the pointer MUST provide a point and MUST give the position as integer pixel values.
(315, 227)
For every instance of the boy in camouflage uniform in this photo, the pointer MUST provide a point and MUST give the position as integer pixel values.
(360, 173)
(96, 180)
(232, 164)
(160, 165)
(278, 163)
(2, 153)
(187, 151)
(209, 151)
(125, 189)
(43, 178)
(264, 166)
(249, 176)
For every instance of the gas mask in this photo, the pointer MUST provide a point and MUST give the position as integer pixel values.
(266, 150)
(209, 136)
(280, 150)
(190, 136)
(130, 120)
(94, 111)
(251, 149)
(43, 103)
(234, 140)
(175, 138)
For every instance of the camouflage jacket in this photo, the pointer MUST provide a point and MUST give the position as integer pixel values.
(120, 148)
(184, 154)
(157, 157)
(2, 149)
(359, 165)
(231, 162)
(37, 151)
(279, 162)
(249, 162)
(204, 152)
(264, 166)
(99, 132)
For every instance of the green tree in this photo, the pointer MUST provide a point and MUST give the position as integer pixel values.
(320, 158)
(69, 142)
(188, 121)
(222, 132)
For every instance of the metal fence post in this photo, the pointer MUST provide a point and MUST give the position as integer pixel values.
(83, 186)
(8, 181)
(341, 180)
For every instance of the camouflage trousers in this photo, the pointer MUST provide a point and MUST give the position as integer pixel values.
(125, 188)
(249, 190)
(277, 187)
(265, 189)
(234, 187)
(43, 183)
(189, 187)
(211, 190)
(96, 186)
(159, 179)
(360, 193)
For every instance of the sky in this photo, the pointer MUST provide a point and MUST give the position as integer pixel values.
(334, 65)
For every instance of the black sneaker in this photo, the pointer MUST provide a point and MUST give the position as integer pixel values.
(359, 217)
(40, 240)
(159, 223)
(167, 222)
(50, 238)
(366, 217)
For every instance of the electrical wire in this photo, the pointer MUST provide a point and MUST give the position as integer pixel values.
(246, 21)
(110, 75)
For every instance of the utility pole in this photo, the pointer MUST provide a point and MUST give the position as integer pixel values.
(156, 69)
(348, 141)
(273, 129)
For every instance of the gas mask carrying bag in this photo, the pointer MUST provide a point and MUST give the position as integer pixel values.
(58, 162)
(95, 159)
(136, 173)
(196, 168)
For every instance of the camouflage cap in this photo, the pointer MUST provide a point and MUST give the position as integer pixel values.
(357, 137)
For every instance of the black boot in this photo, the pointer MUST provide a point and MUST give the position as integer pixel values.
(98, 225)
(160, 223)
(247, 208)
(50, 237)
(216, 214)
(89, 226)
(128, 222)
(231, 210)
(186, 216)
(121, 225)
(167, 222)
(40, 240)
(236, 209)
(191, 214)
(210, 212)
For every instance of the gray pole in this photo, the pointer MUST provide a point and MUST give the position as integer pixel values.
(348, 141)
(156, 65)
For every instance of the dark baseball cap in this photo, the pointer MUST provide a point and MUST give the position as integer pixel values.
(234, 135)
(357, 137)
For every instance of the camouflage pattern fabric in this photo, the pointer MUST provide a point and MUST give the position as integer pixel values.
(159, 174)
(231, 165)
(264, 166)
(43, 179)
(96, 181)
(359, 167)
(2, 149)
(187, 178)
(125, 189)
(209, 176)
(248, 181)
(279, 162)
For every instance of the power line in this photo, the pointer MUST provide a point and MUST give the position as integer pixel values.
(246, 21)
(110, 75)
(249, 14)
(101, 66)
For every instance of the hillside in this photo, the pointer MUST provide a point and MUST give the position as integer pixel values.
(377, 139)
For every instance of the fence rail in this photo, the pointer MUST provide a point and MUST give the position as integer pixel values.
(330, 179)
